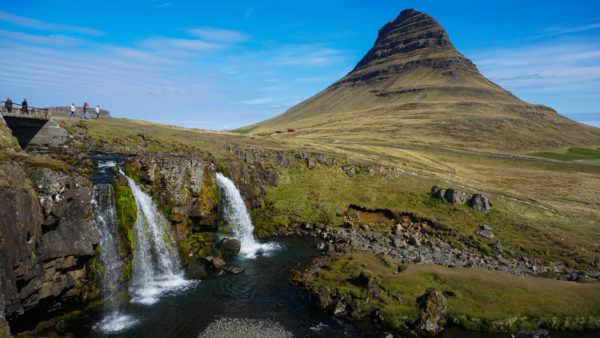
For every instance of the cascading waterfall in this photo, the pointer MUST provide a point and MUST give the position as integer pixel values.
(105, 219)
(156, 264)
(236, 214)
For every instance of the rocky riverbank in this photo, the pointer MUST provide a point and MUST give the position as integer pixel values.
(412, 244)
(380, 252)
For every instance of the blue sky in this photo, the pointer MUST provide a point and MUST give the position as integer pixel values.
(225, 64)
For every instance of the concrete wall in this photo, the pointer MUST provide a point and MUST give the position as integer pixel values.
(37, 132)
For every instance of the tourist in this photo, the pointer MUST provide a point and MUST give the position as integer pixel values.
(24, 107)
(97, 111)
(73, 109)
(86, 107)
(8, 105)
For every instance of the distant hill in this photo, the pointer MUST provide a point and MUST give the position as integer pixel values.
(413, 86)
(67, 110)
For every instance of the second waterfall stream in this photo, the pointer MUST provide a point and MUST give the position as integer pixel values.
(236, 214)
(156, 264)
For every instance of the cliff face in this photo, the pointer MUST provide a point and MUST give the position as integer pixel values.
(412, 40)
(47, 239)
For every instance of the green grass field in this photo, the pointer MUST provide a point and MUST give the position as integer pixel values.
(484, 300)
(571, 154)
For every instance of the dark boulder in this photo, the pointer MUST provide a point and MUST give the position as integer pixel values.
(433, 305)
(340, 309)
(234, 270)
(349, 170)
(321, 298)
(437, 192)
(230, 246)
(480, 203)
(456, 197)
(214, 263)
(486, 231)
(370, 282)
(196, 270)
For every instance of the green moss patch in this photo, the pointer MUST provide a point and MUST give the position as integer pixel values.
(196, 245)
(323, 194)
(126, 218)
(481, 299)
(571, 154)
(209, 195)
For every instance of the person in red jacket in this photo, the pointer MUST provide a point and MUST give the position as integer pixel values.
(86, 108)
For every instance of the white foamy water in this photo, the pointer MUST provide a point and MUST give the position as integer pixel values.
(106, 164)
(116, 322)
(236, 214)
(111, 285)
(156, 265)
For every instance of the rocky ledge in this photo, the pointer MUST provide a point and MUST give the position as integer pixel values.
(47, 242)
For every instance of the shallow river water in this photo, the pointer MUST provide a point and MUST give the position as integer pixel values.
(261, 292)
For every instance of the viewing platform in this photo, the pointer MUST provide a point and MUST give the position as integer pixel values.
(34, 127)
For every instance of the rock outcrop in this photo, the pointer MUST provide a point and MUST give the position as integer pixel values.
(413, 40)
(479, 202)
(47, 242)
(433, 305)
(184, 187)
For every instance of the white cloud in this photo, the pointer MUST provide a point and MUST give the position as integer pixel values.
(218, 34)
(563, 73)
(51, 40)
(550, 65)
(26, 22)
(573, 29)
(307, 55)
(162, 79)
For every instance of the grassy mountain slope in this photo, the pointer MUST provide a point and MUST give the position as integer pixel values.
(413, 86)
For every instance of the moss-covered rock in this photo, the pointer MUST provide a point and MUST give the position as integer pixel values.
(197, 245)
(126, 218)
(209, 197)
(133, 170)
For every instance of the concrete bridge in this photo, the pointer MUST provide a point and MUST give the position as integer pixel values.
(35, 128)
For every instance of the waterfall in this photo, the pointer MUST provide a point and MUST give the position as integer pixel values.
(156, 264)
(236, 214)
(105, 219)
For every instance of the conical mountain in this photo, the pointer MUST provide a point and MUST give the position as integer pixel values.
(414, 87)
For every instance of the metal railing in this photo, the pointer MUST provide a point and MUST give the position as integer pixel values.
(33, 112)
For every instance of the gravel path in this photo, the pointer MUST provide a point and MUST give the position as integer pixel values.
(242, 327)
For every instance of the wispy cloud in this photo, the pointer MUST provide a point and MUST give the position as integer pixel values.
(163, 79)
(26, 22)
(185, 44)
(307, 55)
(218, 34)
(164, 5)
(558, 63)
(49, 40)
(572, 29)
(563, 73)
